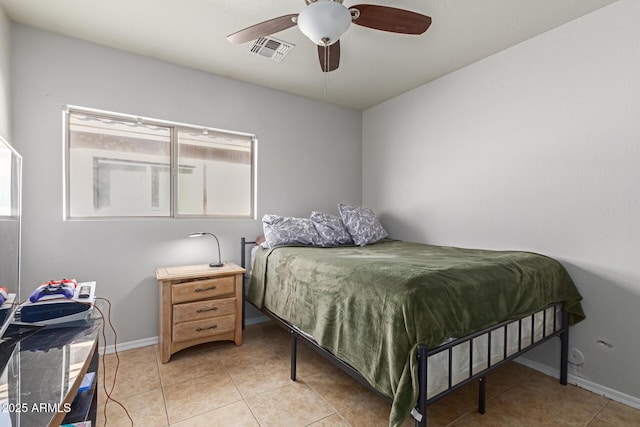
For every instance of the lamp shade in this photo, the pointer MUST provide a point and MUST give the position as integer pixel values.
(324, 21)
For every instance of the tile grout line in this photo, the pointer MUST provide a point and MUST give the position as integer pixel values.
(335, 410)
(301, 380)
(164, 397)
(243, 398)
(224, 368)
(324, 418)
(452, 423)
(118, 402)
(598, 412)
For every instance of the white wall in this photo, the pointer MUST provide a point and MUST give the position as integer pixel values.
(309, 157)
(5, 82)
(535, 148)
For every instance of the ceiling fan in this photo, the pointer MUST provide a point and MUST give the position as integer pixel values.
(325, 21)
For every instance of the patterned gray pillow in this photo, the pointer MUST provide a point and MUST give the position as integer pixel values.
(283, 230)
(331, 229)
(362, 223)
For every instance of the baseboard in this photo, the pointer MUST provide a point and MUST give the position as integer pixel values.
(129, 345)
(154, 340)
(584, 383)
(256, 320)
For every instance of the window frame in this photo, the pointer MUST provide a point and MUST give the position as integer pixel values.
(173, 165)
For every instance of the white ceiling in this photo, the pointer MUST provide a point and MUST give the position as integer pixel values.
(374, 65)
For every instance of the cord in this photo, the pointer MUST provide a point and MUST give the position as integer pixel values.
(104, 368)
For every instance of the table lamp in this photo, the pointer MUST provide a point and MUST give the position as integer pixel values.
(200, 234)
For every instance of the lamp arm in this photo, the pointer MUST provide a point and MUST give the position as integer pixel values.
(219, 264)
(218, 243)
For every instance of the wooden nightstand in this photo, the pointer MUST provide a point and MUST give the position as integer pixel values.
(199, 304)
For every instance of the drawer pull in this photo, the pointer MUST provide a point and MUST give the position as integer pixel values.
(199, 329)
(210, 288)
(204, 310)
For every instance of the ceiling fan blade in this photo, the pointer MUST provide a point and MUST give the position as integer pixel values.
(329, 56)
(390, 19)
(262, 29)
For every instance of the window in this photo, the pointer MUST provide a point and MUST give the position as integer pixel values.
(10, 174)
(125, 166)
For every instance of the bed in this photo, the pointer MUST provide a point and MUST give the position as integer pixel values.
(411, 321)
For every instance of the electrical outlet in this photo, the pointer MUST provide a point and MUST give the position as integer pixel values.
(576, 357)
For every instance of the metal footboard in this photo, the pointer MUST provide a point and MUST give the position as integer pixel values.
(552, 321)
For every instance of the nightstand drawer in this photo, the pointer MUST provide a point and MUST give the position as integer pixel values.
(203, 328)
(203, 309)
(201, 289)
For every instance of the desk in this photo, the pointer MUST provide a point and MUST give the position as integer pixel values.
(44, 373)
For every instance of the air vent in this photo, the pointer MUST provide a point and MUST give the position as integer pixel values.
(272, 48)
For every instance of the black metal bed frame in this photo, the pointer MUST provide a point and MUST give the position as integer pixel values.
(560, 328)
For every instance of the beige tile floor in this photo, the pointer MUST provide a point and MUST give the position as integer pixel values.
(219, 384)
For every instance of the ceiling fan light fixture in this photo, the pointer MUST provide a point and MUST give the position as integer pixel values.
(324, 21)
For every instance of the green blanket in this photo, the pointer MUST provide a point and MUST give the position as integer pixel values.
(371, 306)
